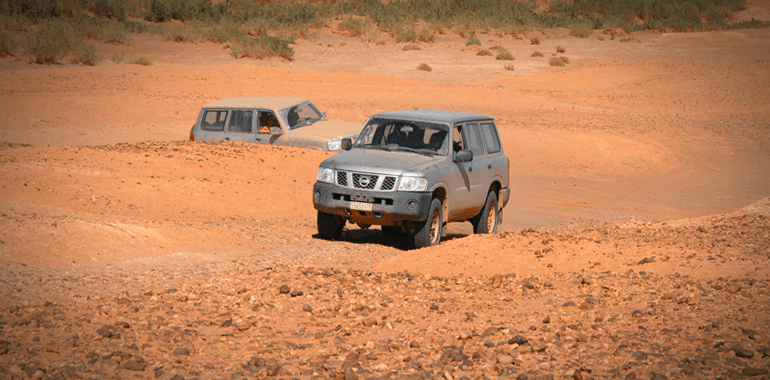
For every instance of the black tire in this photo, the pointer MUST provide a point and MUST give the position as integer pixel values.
(489, 218)
(428, 233)
(330, 226)
(392, 230)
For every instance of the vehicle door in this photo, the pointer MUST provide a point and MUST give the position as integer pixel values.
(467, 191)
(240, 125)
(495, 159)
(212, 125)
(267, 121)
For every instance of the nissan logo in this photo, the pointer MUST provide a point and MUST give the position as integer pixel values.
(363, 181)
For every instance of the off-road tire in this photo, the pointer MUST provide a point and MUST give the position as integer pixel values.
(488, 219)
(428, 233)
(329, 226)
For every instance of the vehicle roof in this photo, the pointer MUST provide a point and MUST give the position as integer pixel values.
(448, 117)
(256, 102)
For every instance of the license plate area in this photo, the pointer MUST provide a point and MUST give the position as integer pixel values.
(361, 206)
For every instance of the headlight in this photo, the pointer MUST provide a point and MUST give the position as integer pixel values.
(325, 175)
(333, 145)
(412, 184)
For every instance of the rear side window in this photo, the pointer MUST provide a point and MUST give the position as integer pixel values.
(240, 121)
(474, 140)
(490, 137)
(214, 121)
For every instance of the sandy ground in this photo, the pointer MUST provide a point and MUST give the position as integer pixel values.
(640, 175)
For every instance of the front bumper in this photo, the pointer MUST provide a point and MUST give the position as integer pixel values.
(388, 207)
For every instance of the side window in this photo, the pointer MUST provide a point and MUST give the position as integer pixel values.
(457, 139)
(267, 120)
(240, 121)
(490, 137)
(214, 121)
(474, 140)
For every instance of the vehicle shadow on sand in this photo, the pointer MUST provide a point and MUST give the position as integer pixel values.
(402, 242)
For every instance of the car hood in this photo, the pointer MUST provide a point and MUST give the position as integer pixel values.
(328, 130)
(382, 162)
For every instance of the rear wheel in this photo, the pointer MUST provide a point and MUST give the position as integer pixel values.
(429, 232)
(330, 226)
(489, 217)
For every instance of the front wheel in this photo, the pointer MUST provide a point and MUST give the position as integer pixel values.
(330, 226)
(489, 217)
(429, 232)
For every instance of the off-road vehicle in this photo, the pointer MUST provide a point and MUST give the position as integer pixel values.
(412, 172)
(276, 121)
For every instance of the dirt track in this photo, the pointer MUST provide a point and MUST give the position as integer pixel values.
(640, 184)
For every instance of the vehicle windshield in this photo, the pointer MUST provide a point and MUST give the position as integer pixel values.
(412, 136)
(301, 115)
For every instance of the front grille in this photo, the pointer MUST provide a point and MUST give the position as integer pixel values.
(342, 178)
(363, 181)
(387, 183)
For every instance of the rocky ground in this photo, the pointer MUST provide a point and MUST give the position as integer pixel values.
(257, 317)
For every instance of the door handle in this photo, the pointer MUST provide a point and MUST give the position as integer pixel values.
(489, 166)
(227, 139)
(470, 168)
(259, 139)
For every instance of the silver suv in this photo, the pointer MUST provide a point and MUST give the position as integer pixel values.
(412, 172)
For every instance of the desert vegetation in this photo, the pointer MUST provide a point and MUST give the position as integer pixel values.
(267, 28)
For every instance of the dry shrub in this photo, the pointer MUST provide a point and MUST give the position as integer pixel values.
(424, 67)
(537, 54)
(509, 66)
(411, 47)
(560, 49)
(505, 56)
(484, 52)
(85, 53)
(141, 60)
(473, 41)
(534, 40)
(558, 61)
(262, 47)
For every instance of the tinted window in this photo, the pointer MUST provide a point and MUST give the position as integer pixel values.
(474, 140)
(240, 121)
(490, 137)
(214, 121)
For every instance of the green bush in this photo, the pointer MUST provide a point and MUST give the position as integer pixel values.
(49, 43)
(225, 32)
(262, 47)
(484, 52)
(7, 44)
(134, 27)
(581, 29)
(85, 53)
(118, 57)
(411, 47)
(534, 40)
(424, 67)
(110, 8)
(473, 41)
(113, 33)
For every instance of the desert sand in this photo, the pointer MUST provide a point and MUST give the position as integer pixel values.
(636, 243)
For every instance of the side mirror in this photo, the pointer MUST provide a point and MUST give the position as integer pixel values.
(463, 155)
(276, 131)
(346, 143)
